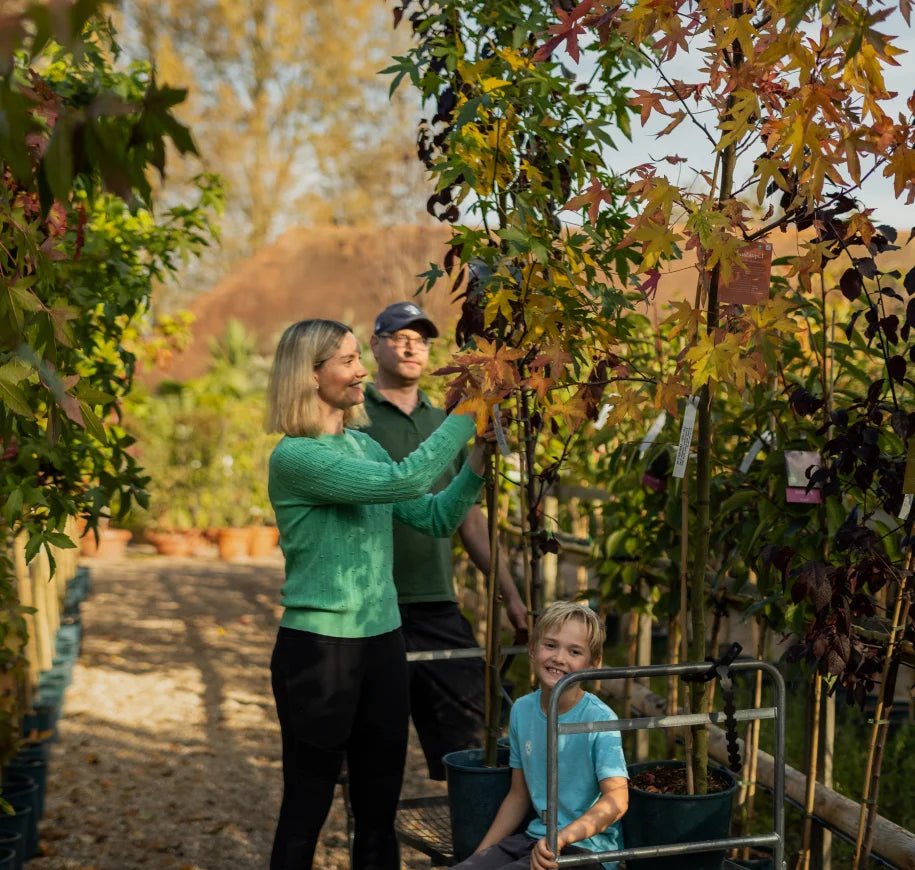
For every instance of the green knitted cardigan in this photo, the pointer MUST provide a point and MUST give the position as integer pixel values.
(334, 498)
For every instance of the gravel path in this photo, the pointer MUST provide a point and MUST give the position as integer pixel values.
(168, 753)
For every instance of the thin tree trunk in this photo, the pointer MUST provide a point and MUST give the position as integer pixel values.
(701, 539)
(881, 722)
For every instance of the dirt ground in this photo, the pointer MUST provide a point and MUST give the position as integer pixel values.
(168, 752)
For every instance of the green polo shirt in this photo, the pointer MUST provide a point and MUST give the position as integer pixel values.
(423, 569)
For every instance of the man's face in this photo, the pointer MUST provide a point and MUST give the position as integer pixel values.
(402, 355)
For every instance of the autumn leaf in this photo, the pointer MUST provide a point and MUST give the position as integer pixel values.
(479, 405)
(593, 196)
(685, 318)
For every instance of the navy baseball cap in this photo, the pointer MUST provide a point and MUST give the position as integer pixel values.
(400, 315)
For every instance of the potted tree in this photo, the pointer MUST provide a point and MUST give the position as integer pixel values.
(736, 325)
(534, 339)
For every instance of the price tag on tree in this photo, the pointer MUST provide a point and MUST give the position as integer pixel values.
(499, 431)
(799, 465)
(749, 285)
(686, 436)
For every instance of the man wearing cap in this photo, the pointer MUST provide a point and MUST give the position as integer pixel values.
(446, 697)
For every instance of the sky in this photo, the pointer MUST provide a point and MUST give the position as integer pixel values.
(690, 143)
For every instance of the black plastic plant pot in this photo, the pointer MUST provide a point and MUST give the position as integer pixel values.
(22, 793)
(12, 841)
(35, 769)
(475, 793)
(758, 862)
(657, 819)
(18, 823)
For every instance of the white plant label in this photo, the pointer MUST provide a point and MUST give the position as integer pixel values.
(906, 507)
(764, 440)
(686, 436)
(499, 431)
(652, 434)
(601, 420)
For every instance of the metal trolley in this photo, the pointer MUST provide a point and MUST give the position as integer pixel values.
(775, 839)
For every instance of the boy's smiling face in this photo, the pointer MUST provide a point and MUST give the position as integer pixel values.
(560, 651)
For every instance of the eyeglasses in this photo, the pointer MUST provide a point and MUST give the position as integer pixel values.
(401, 341)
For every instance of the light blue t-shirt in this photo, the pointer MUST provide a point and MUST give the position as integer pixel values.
(584, 760)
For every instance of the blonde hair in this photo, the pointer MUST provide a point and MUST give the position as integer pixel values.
(557, 614)
(292, 395)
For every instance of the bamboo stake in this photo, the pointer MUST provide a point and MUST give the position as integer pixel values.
(684, 627)
(673, 654)
(829, 743)
(643, 657)
(803, 861)
(752, 742)
(881, 722)
(493, 616)
(524, 519)
(528, 482)
(631, 653)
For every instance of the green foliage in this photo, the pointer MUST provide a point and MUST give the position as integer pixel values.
(81, 252)
(203, 443)
(76, 274)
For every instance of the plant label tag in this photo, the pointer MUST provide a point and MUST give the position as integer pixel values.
(908, 481)
(601, 420)
(764, 440)
(906, 508)
(799, 465)
(749, 285)
(652, 434)
(686, 436)
(499, 431)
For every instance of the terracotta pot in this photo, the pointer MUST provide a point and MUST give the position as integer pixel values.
(233, 543)
(111, 543)
(171, 543)
(263, 540)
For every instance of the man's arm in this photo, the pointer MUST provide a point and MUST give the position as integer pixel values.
(474, 532)
(610, 806)
(511, 813)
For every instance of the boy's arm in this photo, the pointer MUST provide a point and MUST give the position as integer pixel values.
(511, 813)
(608, 808)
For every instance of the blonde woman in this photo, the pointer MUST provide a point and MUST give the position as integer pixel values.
(339, 668)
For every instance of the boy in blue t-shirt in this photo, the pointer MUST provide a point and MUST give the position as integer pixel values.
(593, 781)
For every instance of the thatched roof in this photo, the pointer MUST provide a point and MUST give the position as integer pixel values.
(343, 273)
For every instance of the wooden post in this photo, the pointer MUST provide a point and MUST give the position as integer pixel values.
(40, 572)
(26, 599)
(580, 530)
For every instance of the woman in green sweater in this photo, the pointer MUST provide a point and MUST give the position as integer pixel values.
(339, 666)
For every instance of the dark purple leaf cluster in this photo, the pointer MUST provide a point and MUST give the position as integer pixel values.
(839, 596)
